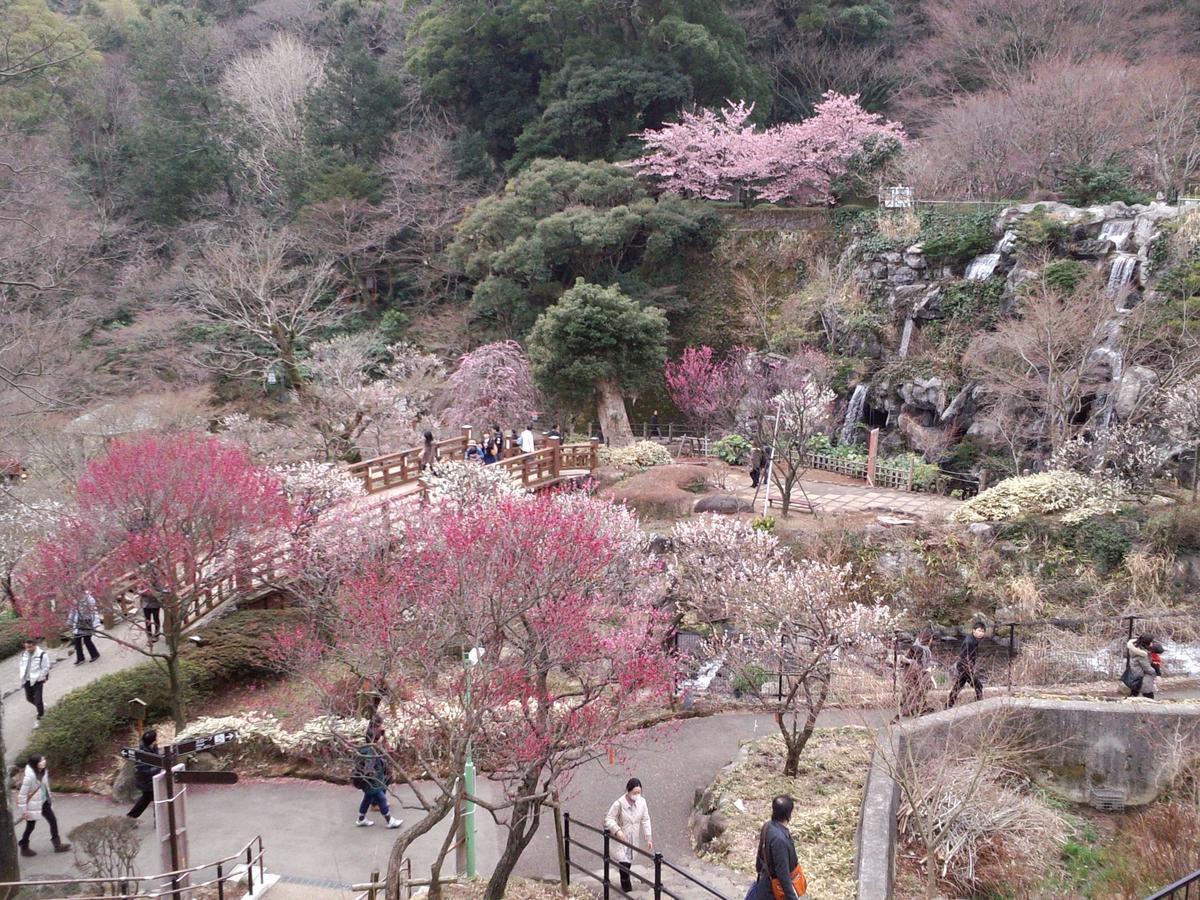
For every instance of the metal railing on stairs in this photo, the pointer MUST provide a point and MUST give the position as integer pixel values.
(608, 876)
(1186, 888)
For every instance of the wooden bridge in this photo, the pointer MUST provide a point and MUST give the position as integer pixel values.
(390, 479)
(551, 463)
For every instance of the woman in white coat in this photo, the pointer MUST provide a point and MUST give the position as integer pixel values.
(34, 802)
(628, 820)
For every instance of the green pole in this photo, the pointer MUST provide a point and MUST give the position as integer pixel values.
(469, 788)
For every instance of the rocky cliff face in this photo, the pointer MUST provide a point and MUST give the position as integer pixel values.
(931, 409)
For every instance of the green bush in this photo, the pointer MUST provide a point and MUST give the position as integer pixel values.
(975, 303)
(1038, 230)
(1064, 275)
(1177, 530)
(732, 449)
(84, 721)
(1085, 185)
(12, 636)
(750, 680)
(1103, 541)
(956, 238)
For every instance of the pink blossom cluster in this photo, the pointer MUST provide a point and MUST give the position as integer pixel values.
(716, 154)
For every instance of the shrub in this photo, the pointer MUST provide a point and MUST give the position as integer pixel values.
(1038, 229)
(12, 636)
(975, 303)
(957, 238)
(1162, 843)
(763, 523)
(84, 721)
(106, 847)
(642, 454)
(1176, 531)
(1064, 275)
(733, 449)
(750, 680)
(469, 483)
(1104, 542)
(1085, 185)
(1077, 497)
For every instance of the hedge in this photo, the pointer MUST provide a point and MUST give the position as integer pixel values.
(84, 721)
(12, 636)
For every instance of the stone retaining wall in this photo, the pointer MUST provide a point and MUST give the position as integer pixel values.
(1086, 751)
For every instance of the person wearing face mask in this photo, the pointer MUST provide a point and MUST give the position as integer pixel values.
(628, 820)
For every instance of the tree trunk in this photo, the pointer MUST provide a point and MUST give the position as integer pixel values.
(610, 406)
(395, 863)
(521, 830)
(9, 862)
(797, 741)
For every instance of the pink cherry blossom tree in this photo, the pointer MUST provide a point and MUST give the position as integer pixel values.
(705, 389)
(716, 154)
(493, 384)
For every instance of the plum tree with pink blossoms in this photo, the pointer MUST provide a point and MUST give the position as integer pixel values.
(716, 155)
(705, 389)
(569, 640)
(493, 384)
(182, 514)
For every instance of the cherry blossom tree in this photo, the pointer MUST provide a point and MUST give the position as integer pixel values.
(493, 384)
(706, 389)
(568, 651)
(25, 518)
(791, 624)
(180, 515)
(717, 155)
(708, 552)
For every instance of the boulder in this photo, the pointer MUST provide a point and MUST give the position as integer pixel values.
(1135, 383)
(925, 393)
(124, 790)
(930, 304)
(1007, 245)
(981, 530)
(904, 275)
(1092, 248)
(1149, 219)
(958, 405)
(927, 439)
(914, 257)
(723, 504)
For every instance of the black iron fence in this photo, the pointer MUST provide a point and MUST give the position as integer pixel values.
(1187, 888)
(598, 852)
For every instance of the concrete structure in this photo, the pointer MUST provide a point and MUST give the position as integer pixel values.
(1107, 754)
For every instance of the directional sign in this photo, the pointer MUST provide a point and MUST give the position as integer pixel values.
(206, 777)
(143, 756)
(205, 742)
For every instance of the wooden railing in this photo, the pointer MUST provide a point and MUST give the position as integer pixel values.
(538, 469)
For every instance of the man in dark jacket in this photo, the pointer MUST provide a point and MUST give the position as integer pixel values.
(144, 773)
(371, 777)
(776, 852)
(968, 665)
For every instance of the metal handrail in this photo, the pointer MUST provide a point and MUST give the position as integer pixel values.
(246, 854)
(655, 858)
(1185, 884)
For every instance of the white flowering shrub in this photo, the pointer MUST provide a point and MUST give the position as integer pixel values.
(1129, 453)
(708, 553)
(469, 483)
(1076, 496)
(642, 454)
(316, 486)
(1181, 408)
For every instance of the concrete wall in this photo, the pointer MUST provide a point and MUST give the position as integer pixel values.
(1121, 750)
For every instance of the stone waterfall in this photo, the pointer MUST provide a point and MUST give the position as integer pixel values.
(1118, 231)
(906, 337)
(982, 267)
(1121, 272)
(854, 411)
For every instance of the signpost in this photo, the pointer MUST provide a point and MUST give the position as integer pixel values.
(173, 832)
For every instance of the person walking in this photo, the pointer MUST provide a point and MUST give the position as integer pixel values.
(489, 450)
(628, 820)
(371, 777)
(83, 621)
(143, 774)
(35, 801)
(777, 865)
(428, 454)
(527, 439)
(1142, 666)
(35, 669)
(655, 431)
(756, 466)
(916, 679)
(152, 612)
(967, 666)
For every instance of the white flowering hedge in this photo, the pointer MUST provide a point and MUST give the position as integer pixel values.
(1076, 496)
(642, 454)
(470, 483)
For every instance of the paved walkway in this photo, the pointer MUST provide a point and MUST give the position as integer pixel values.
(846, 498)
(20, 717)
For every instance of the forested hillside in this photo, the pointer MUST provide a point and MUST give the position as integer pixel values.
(275, 209)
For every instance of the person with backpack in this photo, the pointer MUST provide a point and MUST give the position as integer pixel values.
(83, 621)
(1142, 675)
(916, 676)
(628, 820)
(143, 774)
(35, 669)
(780, 876)
(756, 466)
(152, 612)
(371, 777)
(966, 668)
(34, 802)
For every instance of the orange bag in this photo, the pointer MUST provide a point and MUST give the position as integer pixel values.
(799, 882)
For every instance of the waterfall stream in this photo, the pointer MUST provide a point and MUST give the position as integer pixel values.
(1117, 231)
(982, 267)
(854, 411)
(906, 337)
(1121, 272)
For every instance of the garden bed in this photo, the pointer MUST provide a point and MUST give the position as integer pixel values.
(828, 789)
